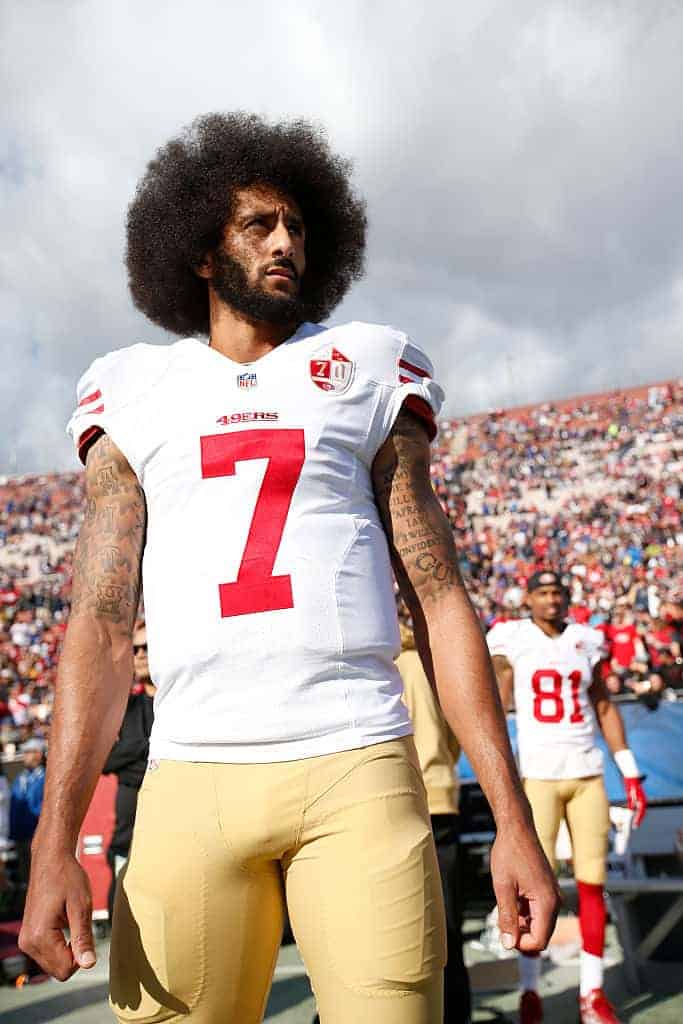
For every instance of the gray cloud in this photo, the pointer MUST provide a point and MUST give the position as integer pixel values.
(522, 164)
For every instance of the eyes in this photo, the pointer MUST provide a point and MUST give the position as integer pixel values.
(263, 225)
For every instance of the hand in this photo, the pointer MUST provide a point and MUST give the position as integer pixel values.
(58, 897)
(636, 799)
(526, 889)
(638, 686)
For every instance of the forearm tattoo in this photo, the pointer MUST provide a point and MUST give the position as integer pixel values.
(419, 534)
(106, 568)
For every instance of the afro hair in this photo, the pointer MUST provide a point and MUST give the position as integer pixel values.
(184, 200)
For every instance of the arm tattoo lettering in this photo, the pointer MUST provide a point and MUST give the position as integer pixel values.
(107, 523)
(437, 570)
(106, 567)
(107, 480)
(419, 534)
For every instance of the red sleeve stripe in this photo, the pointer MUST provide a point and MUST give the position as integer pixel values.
(99, 409)
(405, 365)
(423, 411)
(86, 440)
(90, 398)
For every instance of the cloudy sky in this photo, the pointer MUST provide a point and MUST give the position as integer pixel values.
(523, 165)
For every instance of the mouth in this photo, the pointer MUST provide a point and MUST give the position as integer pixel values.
(286, 272)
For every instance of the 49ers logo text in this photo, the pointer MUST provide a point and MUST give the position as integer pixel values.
(247, 417)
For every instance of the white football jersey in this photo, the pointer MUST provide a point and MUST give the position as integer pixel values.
(271, 618)
(556, 724)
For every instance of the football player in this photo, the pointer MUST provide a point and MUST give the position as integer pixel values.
(264, 483)
(554, 669)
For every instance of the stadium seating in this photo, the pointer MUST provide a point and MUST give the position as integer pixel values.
(589, 485)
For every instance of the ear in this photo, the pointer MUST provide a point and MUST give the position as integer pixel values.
(205, 268)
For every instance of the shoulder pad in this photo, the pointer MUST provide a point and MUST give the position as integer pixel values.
(112, 383)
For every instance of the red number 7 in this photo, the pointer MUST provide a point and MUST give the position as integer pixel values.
(256, 589)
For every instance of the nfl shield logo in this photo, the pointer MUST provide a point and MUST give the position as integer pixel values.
(246, 380)
(332, 372)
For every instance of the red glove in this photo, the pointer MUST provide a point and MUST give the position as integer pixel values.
(636, 799)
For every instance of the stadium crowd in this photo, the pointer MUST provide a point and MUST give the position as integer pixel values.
(39, 523)
(590, 486)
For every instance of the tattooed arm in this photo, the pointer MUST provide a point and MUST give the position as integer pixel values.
(451, 643)
(447, 630)
(94, 677)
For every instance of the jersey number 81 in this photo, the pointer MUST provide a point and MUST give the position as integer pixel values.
(548, 700)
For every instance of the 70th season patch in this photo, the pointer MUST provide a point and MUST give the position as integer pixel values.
(332, 371)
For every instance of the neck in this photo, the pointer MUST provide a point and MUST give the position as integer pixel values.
(551, 627)
(241, 339)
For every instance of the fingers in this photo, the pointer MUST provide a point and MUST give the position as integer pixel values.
(637, 801)
(642, 806)
(542, 919)
(634, 809)
(508, 913)
(58, 898)
(79, 916)
(49, 949)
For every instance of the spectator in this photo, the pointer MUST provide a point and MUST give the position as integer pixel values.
(26, 800)
(663, 642)
(670, 671)
(627, 654)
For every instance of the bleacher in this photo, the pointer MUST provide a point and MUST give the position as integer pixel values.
(590, 485)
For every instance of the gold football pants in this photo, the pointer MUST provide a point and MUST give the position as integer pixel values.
(583, 804)
(217, 848)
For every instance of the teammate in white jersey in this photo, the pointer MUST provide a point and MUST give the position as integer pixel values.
(554, 668)
(264, 485)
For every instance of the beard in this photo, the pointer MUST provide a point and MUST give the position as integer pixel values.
(231, 285)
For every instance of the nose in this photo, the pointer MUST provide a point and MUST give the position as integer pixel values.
(282, 242)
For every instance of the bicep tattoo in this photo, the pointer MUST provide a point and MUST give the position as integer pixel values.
(106, 568)
(420, 537)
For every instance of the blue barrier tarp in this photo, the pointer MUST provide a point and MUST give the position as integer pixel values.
(656, 739)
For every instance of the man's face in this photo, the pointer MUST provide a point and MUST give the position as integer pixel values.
(31, 759)
(140, 663)
(548, 604)
(257, 270)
